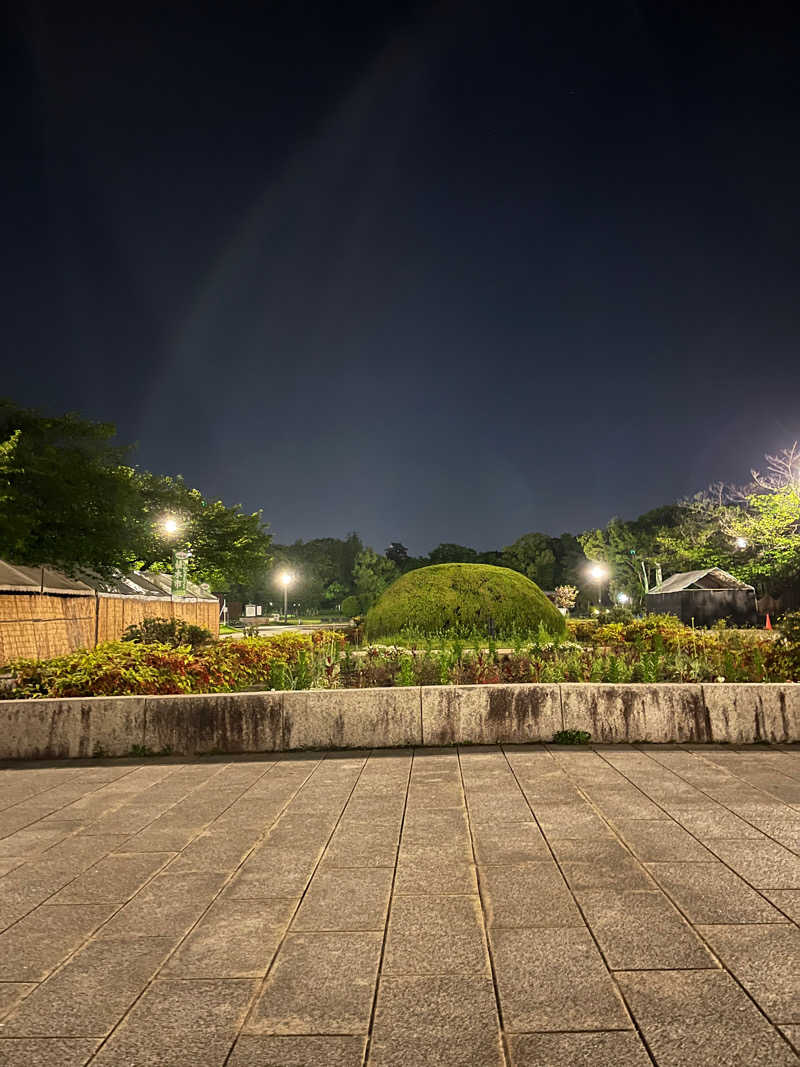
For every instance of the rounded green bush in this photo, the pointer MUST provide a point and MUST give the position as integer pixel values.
(463, 597)
(351, 606)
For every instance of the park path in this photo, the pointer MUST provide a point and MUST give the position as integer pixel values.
(523, 906)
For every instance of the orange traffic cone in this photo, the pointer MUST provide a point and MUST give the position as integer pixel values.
(769, 623)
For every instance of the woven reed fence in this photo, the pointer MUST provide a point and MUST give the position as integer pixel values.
(40, 626)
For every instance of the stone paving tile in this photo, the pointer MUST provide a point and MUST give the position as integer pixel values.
(601, 864)
(503, 843)
(788, 900)
(166, 907)
(181, 1024)
(710, 893)
(12, 993)
(234, 939)
(436, 935)
(31, 883)
(708, 824)
(272, 872)
(349, 899)
(319, 984)
(569, 820)
(113, 880)
(271, 1051)
(661, 842)
(31, 842)
(363, 843)
(436, 1022)
(792, 1035)
(91, 993)
(718, 1043)
(554, 980)
(641, 930)
(436, 880)
(37, 944)
(46, 1052)
(215, 850)
(578, 1050)
(666, 996)
(766, 960)
(527, 895)
(764, 864)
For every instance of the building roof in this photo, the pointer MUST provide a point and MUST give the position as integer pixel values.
(710, 579)
(17, 579)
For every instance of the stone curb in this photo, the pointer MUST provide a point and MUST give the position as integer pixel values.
(390, 718)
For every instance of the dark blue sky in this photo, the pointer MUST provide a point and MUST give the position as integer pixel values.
(435, 272)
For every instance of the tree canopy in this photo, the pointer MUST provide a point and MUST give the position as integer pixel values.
(70, 498)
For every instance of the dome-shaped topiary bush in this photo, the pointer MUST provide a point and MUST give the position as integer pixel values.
(463, 597)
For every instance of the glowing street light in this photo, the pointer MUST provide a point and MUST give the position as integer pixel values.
(623, 598)
(286, 580)
(170, 525)
(599, 573)
(741, 542)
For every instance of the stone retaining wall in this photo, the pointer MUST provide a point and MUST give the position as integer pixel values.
(388, 718)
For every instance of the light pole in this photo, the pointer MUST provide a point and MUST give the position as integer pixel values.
(623, 598)
(598, 572)
(286, 579)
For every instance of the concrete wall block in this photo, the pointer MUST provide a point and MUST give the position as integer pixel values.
(490, 714)
(743, 712)
(352, 718)
(631, 713)
(214, 722)
(90, 726)
(26, 730)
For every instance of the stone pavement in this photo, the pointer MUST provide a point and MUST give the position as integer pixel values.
(531, 906)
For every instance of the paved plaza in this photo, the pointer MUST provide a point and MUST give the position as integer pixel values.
(530, 906)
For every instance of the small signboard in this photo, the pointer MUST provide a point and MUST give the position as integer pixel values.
(180, 572)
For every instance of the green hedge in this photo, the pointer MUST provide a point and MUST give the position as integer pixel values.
(463, 598)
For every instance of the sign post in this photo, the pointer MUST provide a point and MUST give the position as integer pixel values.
(180, 567)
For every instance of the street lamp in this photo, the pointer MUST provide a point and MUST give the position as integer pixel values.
(598, 572)
(170, 525)
(623, 598)
(285, 580)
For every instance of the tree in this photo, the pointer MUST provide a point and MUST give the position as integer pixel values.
(65, 492)
(69, 498)
(533, 555)
(371, 575)
(450, 553)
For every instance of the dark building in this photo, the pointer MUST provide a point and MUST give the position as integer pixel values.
(705, 597)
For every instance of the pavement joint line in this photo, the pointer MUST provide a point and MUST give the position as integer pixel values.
(224, 885)
(379, 974)
(261, 983)
(620, 993)
(694, 927)
(490, 951)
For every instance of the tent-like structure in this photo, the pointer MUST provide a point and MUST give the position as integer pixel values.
(45, 613)
(705, 596)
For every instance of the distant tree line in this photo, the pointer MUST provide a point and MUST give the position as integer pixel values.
(71, 498)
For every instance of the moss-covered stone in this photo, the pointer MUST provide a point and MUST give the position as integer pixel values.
(463, 597)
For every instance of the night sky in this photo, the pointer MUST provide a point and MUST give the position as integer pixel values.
(434, 272)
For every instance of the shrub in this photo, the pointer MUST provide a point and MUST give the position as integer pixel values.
(463, 598)
(571, 737)
(285, 661)
(171, 632)
(351, 607)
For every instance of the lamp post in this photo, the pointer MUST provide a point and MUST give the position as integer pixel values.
(623, 598)
(286, 579)
(598, 572)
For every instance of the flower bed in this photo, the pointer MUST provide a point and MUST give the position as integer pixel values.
(651, 650)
